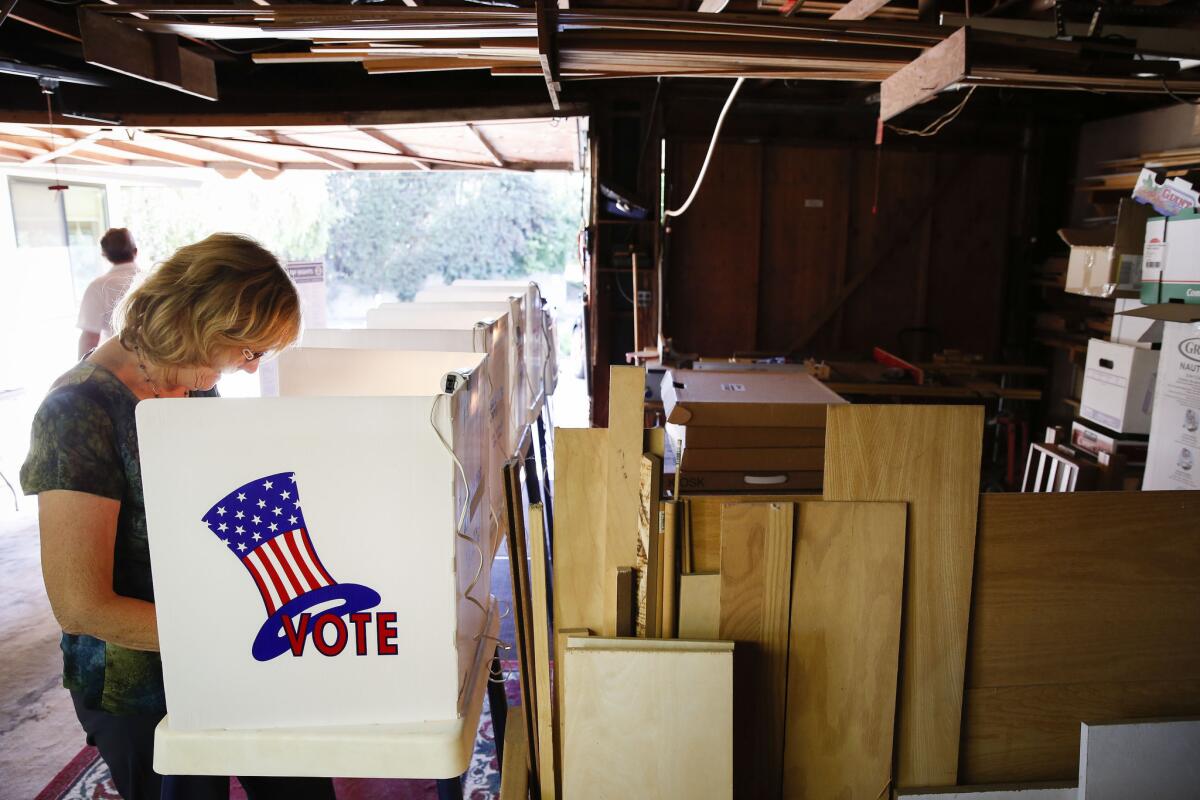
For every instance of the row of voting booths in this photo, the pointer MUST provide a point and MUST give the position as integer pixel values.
(365, 504)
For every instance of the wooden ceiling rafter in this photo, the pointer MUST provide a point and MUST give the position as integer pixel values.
(492, 152)
(316, 152)
(206, 143)
(400, 148)
(71, 146)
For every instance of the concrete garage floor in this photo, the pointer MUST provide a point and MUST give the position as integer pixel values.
(38, 730)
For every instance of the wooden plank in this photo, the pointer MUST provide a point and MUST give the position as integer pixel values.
(1057, 791)
(627, 387)
(523, 623)
(648, 721)
(1031, 733)
(580, 473)
(626, 594)
(547, 769)
(149, 57)
(383, 137)
(514, 775)
(859, 9)
(1159, 759)
(847, 591)
(928, 457)
(670, 580)
(702, 528)
(649, 578)
(940, 66)
(756, 568)
(560, 680)
(700, 606)
(149, 152)
(546, 13)
(1086, 587)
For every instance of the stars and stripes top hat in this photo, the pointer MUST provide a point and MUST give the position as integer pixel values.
(261, 523)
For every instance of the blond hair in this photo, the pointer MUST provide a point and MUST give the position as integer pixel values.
(221, 293)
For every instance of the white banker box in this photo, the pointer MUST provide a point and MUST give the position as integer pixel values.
(1118, 386)
(1171, 462)
(311, 555)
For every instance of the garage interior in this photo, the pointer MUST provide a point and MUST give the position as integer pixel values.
(891, 349)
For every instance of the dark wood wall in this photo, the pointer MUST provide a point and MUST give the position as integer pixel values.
(825, 250)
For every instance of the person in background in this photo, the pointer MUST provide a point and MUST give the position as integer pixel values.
(215, 306)
(105, 292)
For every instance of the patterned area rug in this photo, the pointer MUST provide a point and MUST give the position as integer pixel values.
(86, 776)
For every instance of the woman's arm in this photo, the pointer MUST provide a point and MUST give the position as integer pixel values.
(79, 532)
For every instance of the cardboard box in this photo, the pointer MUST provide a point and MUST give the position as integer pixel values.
(1096, 439)
(750, 399)
(1181, 268)
(1109, 258)
(1118, 386)
(1175, 429)
(751, 436)
(1137, 331)
(756, 458)
(1154, 251)
(746, 482)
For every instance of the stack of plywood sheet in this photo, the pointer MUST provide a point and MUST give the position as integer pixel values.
(747, 431)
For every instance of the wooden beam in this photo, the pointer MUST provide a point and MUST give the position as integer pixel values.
(315, 152)
(229, 152)
(547, 33)
(400, 147)
(46, 18)
(149, 152)
(859, 9)
(156, 58)
(28, 142)
(492, 152)
(940, 66)
(66, 149)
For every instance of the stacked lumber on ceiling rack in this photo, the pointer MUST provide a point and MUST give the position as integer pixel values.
(1118, 177)
(592, 43)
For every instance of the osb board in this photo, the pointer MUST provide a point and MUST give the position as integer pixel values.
(580, 475)
(1086, 608)
(1031, 733)
(703, 518)
(648, 721)
(699, 606)
(1086, 587)
(756, 569)
(928, 457)
(626, 393)
(847, 589)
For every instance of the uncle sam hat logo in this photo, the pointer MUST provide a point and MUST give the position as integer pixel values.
(262, 524)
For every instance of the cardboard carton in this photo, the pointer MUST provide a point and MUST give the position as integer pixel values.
(1096, 439)
(739, 437)
(746, 482)
(1118, 386)
(749, 399)
(1137, 331)
(1181, 268)
(1107, 259)
(754, 458)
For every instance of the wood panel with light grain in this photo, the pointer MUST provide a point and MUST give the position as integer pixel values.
(648, 718)
(580, 473)
(847, 591)
(626, 398)
(700, 530)
(756, 569)
(539, 588)
(699, 606)
(928, 457)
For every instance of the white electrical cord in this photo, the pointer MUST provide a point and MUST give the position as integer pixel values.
(708, 156)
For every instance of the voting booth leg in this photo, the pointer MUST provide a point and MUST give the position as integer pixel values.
(498, 703)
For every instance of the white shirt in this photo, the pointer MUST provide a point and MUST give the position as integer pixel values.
(102, 296)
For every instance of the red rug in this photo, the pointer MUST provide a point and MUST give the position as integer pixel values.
(86, 776)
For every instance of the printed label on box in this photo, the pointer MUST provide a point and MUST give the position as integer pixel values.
(733, 387)
(1153, 260)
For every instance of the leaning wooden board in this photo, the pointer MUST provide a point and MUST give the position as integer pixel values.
(928, 457)
(1086, 608)
(756, 585)
(701, 525)
(648, 718)
(847, 586)
(580, 474)
(626, 400)
(547, 747)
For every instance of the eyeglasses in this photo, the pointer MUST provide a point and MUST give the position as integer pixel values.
(252, 355)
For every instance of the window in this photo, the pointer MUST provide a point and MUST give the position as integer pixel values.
(62, 227)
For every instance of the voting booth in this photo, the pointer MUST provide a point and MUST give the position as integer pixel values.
(319, 575)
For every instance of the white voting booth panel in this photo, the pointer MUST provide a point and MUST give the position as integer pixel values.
(436, 749)
(376, 373)
(303, 551)
(449, 317)
(529, 328)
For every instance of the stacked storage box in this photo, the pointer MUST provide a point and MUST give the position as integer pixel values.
(747, 431)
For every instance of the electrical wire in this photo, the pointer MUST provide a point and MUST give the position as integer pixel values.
(708, 156)
(933, 128)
